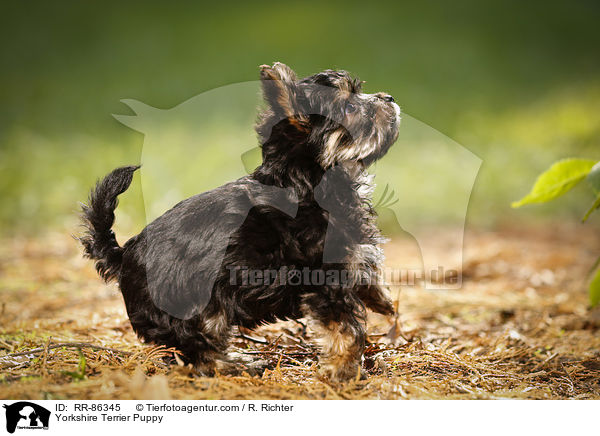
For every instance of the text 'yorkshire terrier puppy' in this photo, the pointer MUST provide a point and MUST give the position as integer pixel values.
(296, 238)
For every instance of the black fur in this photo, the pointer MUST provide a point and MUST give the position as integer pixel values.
(318, 134)
(100, 242)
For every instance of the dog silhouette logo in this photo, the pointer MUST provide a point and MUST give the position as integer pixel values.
(26, 415)
(195, 161)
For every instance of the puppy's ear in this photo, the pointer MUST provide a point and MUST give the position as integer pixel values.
(282, 94)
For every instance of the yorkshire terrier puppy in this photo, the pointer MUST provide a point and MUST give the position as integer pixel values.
(296, 238)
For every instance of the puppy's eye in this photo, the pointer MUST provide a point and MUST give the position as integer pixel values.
(350, 108)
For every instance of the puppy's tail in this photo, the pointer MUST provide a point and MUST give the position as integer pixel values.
(98, 217)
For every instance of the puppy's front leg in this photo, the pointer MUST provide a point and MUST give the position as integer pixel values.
(341, 338)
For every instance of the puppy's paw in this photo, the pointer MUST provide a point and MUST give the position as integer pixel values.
(257, 367)
(236, 368)
(341, 374)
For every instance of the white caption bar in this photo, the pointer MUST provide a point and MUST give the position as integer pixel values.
(154, 417)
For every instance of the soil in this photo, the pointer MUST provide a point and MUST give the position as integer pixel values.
(520, 327)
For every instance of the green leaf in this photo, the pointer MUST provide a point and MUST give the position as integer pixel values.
(593, 178)
(557, 180)
(595, 289)
(595, 206)
(80, 373)
(82, 363)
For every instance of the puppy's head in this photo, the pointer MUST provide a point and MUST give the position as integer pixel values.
(327, 115)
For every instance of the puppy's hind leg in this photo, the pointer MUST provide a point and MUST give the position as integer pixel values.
(202, 341)
(211, 357)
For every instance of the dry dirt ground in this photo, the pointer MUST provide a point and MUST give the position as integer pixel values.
(520, 327)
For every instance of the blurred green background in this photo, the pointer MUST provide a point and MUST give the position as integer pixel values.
(517, 83)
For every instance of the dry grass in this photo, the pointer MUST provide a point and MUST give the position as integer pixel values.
(519, 328)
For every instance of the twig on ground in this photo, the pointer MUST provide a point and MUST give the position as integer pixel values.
(568, 376)
(68, 345)
(542, 364)
(251, 339)
(292, 353)
(45, 357)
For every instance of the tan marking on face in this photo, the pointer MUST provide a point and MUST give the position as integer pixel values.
(328, 157)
